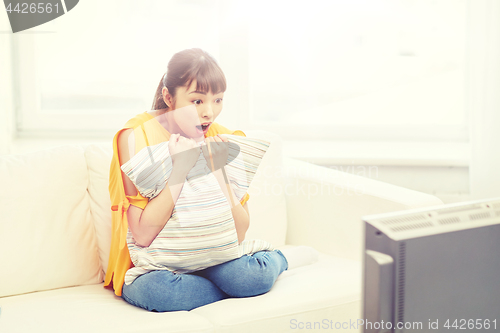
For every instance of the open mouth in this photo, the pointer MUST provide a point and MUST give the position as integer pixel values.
(203, 128)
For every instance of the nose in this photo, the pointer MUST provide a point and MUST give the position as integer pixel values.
(207, 112)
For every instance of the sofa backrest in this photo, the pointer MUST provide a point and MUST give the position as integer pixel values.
(47, 232)
(267, 204)
(267, 200)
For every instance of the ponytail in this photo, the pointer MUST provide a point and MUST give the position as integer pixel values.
(158, 102)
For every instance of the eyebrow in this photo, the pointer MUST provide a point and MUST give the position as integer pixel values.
(202, 92)
(198, 92)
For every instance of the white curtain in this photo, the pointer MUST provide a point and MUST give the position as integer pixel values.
(6, 105)
(483, 78)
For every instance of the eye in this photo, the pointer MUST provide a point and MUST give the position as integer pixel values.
(197, 102)
(218, 100)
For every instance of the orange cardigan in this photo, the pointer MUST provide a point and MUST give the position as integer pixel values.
(119, 257)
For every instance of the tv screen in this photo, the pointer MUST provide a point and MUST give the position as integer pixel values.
(435, 269)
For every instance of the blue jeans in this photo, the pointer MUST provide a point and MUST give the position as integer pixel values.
(162, 290)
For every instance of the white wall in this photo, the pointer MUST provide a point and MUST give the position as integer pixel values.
(484, 98)
(6, 86)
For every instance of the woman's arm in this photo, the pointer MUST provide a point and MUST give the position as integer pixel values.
(216, 153)
(145, 224)
(241, 215)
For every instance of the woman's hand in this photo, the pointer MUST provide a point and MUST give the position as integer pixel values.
(184, 152)
(216, 146)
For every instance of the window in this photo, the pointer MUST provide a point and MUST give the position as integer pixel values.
(331, 70)
(384, 69)
(92, 69)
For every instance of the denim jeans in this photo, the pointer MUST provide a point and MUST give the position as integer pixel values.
(249, 275)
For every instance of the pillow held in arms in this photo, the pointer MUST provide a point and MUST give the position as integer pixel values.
(201, 231)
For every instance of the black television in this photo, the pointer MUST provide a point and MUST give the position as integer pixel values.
(434, 269)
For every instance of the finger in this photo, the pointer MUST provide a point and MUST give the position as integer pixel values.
(217, 143)
(204, 149)
(222, 138)
(209, 141)
(209, 156)
(223, 143)
(194, 144)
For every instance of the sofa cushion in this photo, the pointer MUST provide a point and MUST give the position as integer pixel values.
(267, 205)
(201, 232)
(267, 200)
(98, 158)
(326, 292)
(86, 309)
(48, 238)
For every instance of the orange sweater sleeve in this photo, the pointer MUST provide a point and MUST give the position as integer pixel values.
(119, 256)
(138, 200)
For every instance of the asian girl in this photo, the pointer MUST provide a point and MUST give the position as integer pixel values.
(188, 100)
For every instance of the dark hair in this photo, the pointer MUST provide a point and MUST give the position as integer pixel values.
(186, 66)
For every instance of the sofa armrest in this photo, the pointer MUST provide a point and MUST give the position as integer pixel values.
(325, 206)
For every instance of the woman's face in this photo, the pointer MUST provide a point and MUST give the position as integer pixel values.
(194, 111)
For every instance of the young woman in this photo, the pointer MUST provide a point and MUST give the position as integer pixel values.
(187, 102)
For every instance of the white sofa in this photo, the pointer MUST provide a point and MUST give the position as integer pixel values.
(55, 229)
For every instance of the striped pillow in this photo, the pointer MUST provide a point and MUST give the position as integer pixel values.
(201, 232)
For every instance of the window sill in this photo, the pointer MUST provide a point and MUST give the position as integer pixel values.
(25, 145)
(327, 153)
(380, 153)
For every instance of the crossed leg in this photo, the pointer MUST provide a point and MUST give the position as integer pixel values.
(163, 290)
(249, 275)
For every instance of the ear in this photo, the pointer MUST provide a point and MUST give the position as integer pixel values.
(167, 98)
